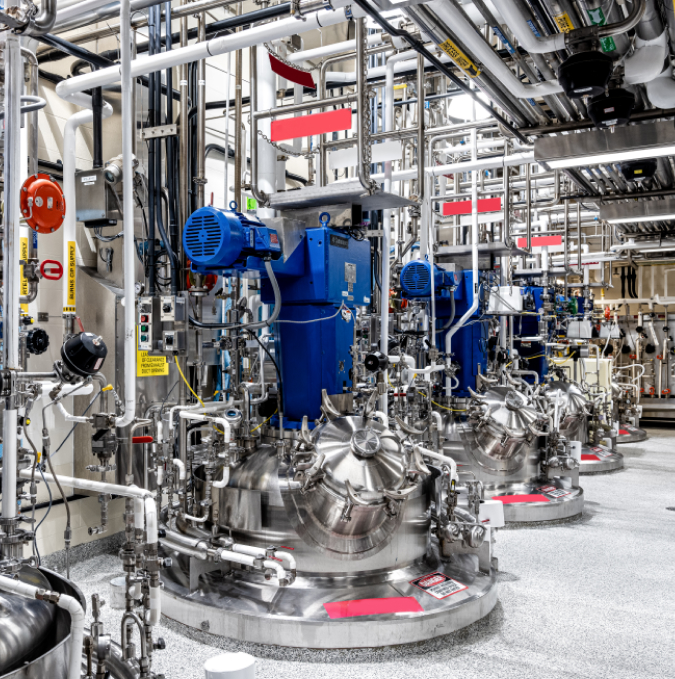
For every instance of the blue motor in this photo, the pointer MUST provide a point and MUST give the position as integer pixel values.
(416, 279)
(216, 239)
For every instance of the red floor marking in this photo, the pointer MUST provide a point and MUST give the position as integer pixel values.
(590, 458)
(512, 499)
(357, 607)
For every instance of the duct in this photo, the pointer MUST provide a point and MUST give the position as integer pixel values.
(661, 90)
(647, 62)
(650, 26)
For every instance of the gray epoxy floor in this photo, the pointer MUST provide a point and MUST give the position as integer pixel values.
(594, 599)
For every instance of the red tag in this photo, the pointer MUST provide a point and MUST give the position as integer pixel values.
(293, 74)
(142, 439)
(317, 123)
(359, 607)
(463, 207)
(540, 241)
(513, 499)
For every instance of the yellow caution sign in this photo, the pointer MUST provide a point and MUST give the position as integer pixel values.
(71, 272)
(564, 22)
(460, 58)
(150, 366)
(24, 282)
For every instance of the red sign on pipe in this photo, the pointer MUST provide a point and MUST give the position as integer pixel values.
(359, 607)
(463, 207)
(540, 241)
(295, 75)
(317, 123)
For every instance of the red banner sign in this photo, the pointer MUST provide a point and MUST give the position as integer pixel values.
(317, 123)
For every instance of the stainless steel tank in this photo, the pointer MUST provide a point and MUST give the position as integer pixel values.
(499, 445)
(571, 402)
(35, 635)
(355, 513)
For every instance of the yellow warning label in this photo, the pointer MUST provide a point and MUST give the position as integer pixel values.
(24, 282)
(460, 58)
(400, 86)
(150, 366)
(70, 279)
(564, 22)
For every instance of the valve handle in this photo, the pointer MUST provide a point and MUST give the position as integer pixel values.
(51, 269)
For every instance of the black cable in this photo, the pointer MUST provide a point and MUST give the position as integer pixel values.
(421, 49)
(276, 367)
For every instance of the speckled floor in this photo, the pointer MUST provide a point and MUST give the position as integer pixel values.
(585, 600)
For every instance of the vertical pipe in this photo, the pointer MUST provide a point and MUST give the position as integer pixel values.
(11, 244)
(363, 107)
(128, 212)
(153, 85)
(420, 129)
(200, 180)
(184, 127)
(264, 82)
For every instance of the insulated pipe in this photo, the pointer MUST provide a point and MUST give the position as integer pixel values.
(287, 559)
(95, 486)
(227, 43)
(474, 253)
(128, 130)
(455, 18)
(69, 167)
(474, 165)
(11, 275)
(68, 417)
(520, 26)
(385, 273)
(188, 415)
(440, 458)
(331, 50)
(67, 603)
(44, 21)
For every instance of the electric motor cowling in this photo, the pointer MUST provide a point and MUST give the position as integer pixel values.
(42, 203)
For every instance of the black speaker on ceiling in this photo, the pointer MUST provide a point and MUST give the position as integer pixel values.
(611, 109)
(585, 74)
(638, 170)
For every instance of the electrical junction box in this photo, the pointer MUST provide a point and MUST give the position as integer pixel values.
(96, 205)
(506, 300)
(580, 329)
(610, 329)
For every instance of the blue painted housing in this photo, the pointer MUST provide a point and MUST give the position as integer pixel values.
(470, 343)
(314, 282)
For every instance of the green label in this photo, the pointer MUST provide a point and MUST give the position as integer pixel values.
(251, 204)
(597, 17)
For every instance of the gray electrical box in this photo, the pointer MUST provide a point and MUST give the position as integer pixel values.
(96, 203)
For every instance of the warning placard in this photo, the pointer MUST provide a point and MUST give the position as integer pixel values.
(151, 366)
(439, 585)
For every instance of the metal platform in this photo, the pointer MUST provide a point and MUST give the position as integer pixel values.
(630, 434)
(336, 193)
(539, 501)
(251, 609)
(598, 459)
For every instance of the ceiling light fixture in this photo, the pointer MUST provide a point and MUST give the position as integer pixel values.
(597, 147)
(637, 212)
